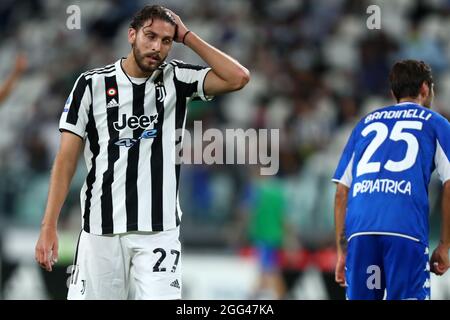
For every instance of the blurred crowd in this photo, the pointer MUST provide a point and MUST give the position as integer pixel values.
(316, 68)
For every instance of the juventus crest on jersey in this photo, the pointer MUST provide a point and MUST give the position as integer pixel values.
(129, 130)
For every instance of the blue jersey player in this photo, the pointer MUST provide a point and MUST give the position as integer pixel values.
(381, 204)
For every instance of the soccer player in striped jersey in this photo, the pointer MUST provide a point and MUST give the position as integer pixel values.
(381, 207)
(125, 116)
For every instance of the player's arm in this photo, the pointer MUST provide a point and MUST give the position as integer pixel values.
(340, 208)
(64, 167)
(343, 178)
(8, 85)
(439, 259)
(226, 75)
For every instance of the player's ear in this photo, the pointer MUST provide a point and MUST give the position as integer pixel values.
(131, 35)
(424, 90)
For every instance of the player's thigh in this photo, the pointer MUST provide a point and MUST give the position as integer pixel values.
(407, 269)
(156, 266)
(99, 270)
(364, 272)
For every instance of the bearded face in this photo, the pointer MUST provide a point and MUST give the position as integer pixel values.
(151, 44)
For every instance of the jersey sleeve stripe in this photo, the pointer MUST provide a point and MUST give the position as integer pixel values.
(72, 116)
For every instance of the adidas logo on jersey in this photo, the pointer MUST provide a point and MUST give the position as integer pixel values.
(175, 284)
(113, 103)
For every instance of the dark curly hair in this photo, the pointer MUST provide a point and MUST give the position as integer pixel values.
(150, 13)
(407, 76)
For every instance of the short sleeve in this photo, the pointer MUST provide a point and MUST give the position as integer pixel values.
(191, 79)
(442, 154)
(343, 173)
(74, 117)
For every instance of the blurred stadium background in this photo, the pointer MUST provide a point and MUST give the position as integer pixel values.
(316, 68)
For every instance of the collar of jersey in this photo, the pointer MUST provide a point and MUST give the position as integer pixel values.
(152, 76)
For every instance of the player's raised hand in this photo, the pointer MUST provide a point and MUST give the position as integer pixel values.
(46, 252)
(439, 260)
(181, 28)
(339, 273)
(21, 63)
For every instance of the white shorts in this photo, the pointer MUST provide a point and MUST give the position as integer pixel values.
(137, 265)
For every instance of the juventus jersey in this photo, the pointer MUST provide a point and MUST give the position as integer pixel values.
(130, 144)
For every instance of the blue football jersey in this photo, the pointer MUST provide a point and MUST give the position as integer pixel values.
(387, 164)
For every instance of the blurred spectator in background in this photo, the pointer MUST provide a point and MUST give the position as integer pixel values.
(263, 207)
(8, 85)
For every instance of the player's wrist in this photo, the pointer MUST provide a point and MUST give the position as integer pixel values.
(49, 225)
(183, 40)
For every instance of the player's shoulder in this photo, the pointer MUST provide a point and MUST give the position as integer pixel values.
(439, 122)
(179, 64)
(109, 68)
(438, 117)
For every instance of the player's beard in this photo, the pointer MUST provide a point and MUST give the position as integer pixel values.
(139, 57)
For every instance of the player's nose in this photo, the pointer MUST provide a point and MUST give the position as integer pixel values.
(156, 46)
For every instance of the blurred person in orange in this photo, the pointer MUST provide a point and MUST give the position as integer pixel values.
(19, 68)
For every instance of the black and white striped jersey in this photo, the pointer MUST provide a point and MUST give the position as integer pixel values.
(130, 145)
